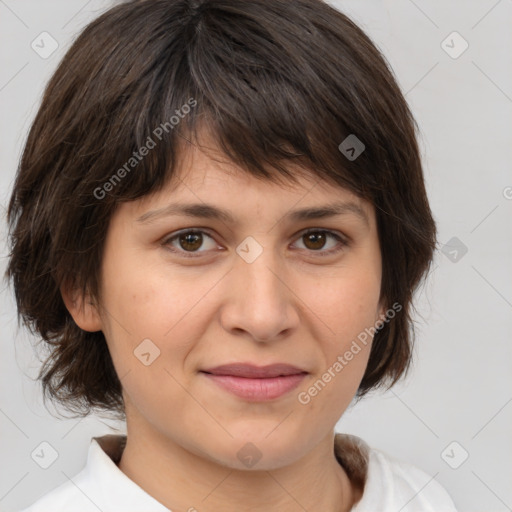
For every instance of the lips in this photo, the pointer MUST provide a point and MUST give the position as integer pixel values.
(255, 372)
(256, 383)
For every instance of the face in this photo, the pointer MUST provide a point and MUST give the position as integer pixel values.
(258, 290)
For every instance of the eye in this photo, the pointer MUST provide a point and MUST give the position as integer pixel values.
(315, 240)
(188, 242)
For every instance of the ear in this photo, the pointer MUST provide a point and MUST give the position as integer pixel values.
(81, 308)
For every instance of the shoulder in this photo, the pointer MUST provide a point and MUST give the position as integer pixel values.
(65, 497)
(391, 484)
(412, 488)
(80, 492)
(101, 485)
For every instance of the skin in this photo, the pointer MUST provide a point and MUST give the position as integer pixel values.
(290, 305)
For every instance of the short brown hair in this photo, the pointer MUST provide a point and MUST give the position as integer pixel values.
(274, 81)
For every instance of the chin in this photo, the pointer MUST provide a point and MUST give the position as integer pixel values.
(255, 452)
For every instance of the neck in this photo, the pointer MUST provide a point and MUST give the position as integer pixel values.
(184, 481)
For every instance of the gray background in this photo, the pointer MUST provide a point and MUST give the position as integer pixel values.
(460, 388)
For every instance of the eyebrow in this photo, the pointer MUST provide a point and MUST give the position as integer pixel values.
(208, 211)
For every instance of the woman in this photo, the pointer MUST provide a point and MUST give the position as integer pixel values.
(218, 225)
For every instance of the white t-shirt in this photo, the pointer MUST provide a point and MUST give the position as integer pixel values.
(389, 485)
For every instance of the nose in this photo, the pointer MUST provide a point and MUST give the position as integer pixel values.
(261, 304)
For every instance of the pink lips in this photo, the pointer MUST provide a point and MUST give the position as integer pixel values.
(256, 383)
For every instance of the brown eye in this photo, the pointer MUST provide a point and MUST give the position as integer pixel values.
(189, 242)
(315, 240)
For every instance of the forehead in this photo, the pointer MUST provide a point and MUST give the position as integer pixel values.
(207, 184)
(205, 174)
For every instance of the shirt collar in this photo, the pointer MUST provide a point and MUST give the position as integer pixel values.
(111, 487)
(114, 489)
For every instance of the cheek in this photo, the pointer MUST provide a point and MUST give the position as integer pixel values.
(145, 299)
(151, 329)
(142, 296)
(347, 305)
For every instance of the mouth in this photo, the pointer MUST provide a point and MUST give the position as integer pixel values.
(256, 383)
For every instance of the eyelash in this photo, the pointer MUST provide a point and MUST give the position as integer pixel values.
(342, 242)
